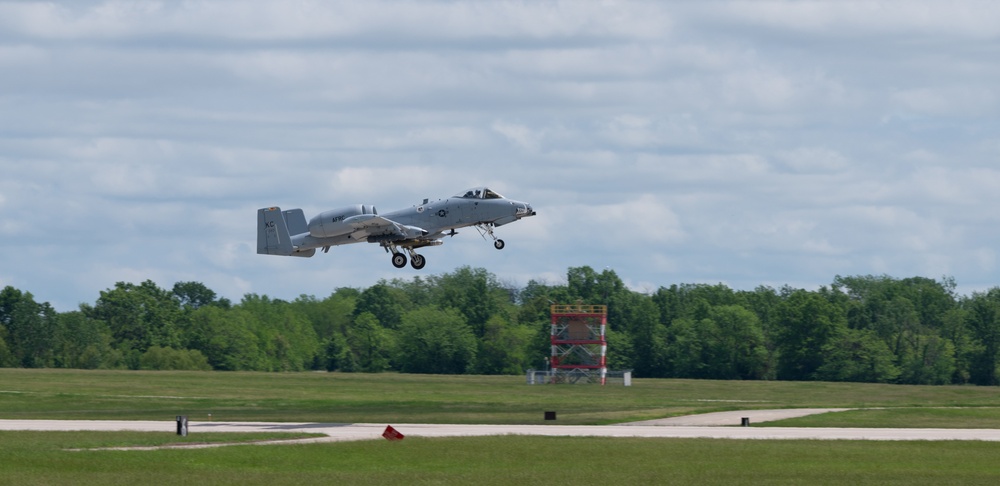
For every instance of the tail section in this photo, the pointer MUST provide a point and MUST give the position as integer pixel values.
(295, 221)
(272, 233)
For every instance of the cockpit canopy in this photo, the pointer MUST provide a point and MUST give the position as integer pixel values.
(479, 193)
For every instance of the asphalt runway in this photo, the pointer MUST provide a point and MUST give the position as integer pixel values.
(350, 432)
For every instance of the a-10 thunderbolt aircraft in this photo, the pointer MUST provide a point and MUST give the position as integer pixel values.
(287, 232)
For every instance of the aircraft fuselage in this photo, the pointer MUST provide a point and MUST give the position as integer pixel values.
(410, 228)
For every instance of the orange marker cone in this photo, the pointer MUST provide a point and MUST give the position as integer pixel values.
(392, 434)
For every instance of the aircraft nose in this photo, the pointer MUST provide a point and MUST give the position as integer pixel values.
(525, 210)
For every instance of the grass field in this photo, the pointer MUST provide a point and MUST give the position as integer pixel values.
(47, 458)
(378, 398)
(41, 458)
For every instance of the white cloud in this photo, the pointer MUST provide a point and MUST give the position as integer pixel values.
(962, 100)
(520, 135)
(746, 142)
(814, 160)
(970, 19)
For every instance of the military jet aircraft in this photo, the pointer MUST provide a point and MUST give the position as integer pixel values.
(287, 232)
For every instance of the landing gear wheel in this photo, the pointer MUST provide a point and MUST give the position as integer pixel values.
(498, 244)
(417, 262)
(398, 260)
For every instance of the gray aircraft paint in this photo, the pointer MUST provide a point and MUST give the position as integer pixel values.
(288, 233)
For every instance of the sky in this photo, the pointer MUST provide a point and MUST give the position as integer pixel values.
(744, 143)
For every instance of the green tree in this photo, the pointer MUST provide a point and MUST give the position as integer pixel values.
(285, 336)
(383, 302)
(928, 360)
(984, 321)
(640, 319)
(807, 322)
(686, 354)
(728, 344)
(535, 313)
(536, 300)
(436, 341)
(692, 300)
(193, 295)
(955, 328)
(85, 343)
(475, 293)
(7, 358)
(621, 351)
(31, 329)
(226, 339)
(337, 355)
(857, 355)
(586, 286)
(332, 315)
(741, 346)
(764, 303)
(139, 316)
(157, 358)
(417, 291)
(504, 348)
(370, 343)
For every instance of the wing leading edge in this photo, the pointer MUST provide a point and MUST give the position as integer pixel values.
(374, 228)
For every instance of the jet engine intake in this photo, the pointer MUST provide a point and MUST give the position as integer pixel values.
(331, 223)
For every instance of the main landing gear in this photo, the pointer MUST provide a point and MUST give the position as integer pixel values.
(416, 261)
(487, 229)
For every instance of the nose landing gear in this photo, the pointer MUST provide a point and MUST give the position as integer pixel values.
(487, 229)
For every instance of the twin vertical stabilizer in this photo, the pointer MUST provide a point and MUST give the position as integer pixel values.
(273, 235)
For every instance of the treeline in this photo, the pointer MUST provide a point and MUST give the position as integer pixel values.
(859, 328)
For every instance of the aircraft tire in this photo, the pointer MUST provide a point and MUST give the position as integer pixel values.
(398, 260)
(498, 244)
(418, 262)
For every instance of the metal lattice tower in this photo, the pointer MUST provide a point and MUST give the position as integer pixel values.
(579, 345)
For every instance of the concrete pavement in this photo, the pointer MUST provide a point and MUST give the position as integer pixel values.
(736, 417)
(349, 432)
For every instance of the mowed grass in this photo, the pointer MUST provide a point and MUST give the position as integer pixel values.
(48, 457)
(29, 458)
(402, 398)
(923, 417)
(83, 440)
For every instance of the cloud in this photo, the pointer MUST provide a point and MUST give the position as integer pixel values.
(960, 100)
(520, 135)
(744, 142)
(814, 160)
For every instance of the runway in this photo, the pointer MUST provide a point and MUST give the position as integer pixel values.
(736, 417)
(351, 432)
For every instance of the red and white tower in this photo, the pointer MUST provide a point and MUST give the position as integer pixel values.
(579, 345)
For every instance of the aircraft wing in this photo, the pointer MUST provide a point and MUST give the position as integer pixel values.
(372, 225)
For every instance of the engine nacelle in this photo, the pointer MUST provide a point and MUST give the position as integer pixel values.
(331, 223)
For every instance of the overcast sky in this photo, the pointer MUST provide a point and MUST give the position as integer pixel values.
(747, 143)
